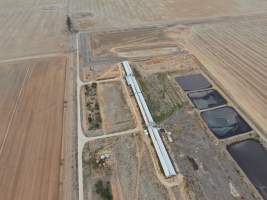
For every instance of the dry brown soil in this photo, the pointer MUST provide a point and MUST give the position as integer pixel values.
(129, 169)
(101, 72)
(31, 135)
(115, 111)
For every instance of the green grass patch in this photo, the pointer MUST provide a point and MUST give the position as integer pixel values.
(160, 95)
(164, 115)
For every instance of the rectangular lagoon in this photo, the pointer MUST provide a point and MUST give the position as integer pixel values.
(206, 99)
(225, 122)
(251, 156)
(193, 82)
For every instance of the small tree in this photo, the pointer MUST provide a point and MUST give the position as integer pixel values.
(97, 106)
(99, 187)
(69, 24)
(94, 85)
(104, 192)
(90, 118)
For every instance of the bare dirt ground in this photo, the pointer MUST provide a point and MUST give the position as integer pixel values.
(183, 63)
(101, 72)
(116, 115)
(132, 44)
(104, 49)
(208, 169)
(30, 153)
(129, 169)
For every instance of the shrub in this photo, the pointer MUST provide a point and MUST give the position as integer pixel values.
(90, 119)
(104, 192)
(69, 24)
(94, 85)
(97, 106)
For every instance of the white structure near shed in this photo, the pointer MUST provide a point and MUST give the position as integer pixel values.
(169, 135)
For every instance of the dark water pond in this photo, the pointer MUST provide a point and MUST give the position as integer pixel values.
(206, 99)
(193, 82)
(225, 122)
(251, 156)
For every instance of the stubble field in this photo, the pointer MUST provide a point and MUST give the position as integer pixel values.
(32, 29)
(31, 137)
(234, 54)
(100, 14)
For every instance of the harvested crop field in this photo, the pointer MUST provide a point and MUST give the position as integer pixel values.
(28, 3)
(96, 14)
(31, 135)
(29, 30)
(128, 168)
(234, 55)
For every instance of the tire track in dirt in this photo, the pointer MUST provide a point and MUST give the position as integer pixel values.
(13, 111)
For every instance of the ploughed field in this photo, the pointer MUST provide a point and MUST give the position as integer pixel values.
(234, 54)
(31, 128)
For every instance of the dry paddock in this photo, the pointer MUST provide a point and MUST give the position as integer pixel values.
(234, 55)
(130, 170)
(30, 29)
(102, 14)
(31, 115)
